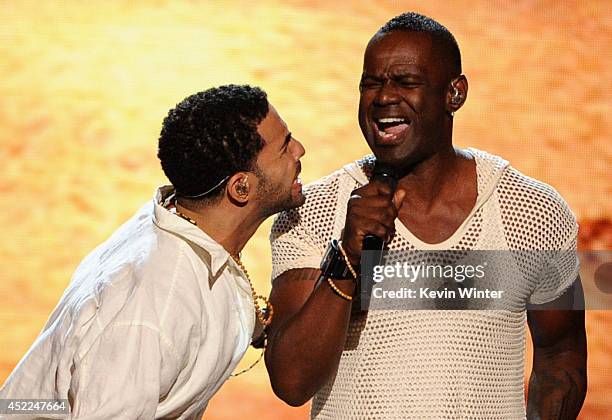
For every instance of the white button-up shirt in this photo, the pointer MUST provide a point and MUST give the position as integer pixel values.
(153, 322)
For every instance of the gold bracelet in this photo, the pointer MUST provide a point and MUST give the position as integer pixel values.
(346, 259)
(338, 291)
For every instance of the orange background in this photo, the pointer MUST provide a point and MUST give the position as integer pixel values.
(84, 87)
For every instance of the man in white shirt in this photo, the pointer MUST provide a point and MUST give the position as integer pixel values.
(156, 318)
(424, 364)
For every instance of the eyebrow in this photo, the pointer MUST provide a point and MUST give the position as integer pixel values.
(392, 74)
(370, 76)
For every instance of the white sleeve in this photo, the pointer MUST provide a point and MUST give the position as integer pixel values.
(122, 374)
(294, 244)
(561, 265)
(300, 236)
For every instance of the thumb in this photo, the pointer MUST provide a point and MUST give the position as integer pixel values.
(398, 198)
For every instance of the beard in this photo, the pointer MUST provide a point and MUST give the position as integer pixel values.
(275, 198)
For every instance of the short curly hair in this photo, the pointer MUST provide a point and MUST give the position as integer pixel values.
(210, 136)
(415, 22)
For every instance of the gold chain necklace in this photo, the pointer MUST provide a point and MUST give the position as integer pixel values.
(263, 315)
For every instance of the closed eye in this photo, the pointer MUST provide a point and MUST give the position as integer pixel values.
(370, 82)
(409, 83)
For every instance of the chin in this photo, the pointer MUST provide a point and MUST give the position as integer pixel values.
(292, 201)
(394, 157)
(403, 155)
(297, 201)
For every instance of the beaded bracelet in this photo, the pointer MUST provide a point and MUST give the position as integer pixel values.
(346, 259)
(338, 291)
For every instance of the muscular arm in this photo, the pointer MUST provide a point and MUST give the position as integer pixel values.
(558, 382)
(307, 335)
(309, 327)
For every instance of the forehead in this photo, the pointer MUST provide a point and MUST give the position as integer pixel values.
(401, 48)
(272, 128)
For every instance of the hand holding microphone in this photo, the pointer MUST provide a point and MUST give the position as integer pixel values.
(371, 213)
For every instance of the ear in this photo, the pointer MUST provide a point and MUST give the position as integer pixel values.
(239, 189)
(457, 94)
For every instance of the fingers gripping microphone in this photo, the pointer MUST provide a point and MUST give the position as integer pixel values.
(372, 244)
(387, 174)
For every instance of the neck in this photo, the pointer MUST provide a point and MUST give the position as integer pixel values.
(434, 176)
(227, 224)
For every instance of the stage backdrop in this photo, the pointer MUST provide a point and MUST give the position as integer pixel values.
(84, 87)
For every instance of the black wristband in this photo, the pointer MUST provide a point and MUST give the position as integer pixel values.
(333, 265)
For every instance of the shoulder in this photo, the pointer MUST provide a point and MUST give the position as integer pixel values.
(537, 209)
(324, 198)
(323, 192)
(299, 236)
(137, 276)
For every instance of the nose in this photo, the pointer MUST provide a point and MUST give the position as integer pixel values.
(299, 150)
(387, 94)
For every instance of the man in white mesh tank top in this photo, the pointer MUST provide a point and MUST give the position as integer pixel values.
(424, 364)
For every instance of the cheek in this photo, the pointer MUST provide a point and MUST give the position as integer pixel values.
(420, 104)
(362, 111)
(365, 100)
(416, 99)
(285, 170)
(430, 102)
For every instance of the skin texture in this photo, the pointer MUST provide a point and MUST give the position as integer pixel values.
(279, 166)
(405, 76)
(558, 382)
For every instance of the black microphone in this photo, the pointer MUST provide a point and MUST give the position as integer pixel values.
(372, 244)
(383, 172)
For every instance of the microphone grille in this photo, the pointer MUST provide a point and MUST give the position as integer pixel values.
(386, 173)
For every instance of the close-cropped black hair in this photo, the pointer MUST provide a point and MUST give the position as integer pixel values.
(415, 22)
(212, 135)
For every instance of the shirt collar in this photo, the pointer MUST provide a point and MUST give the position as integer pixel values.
(170, 222)
(361, 170)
